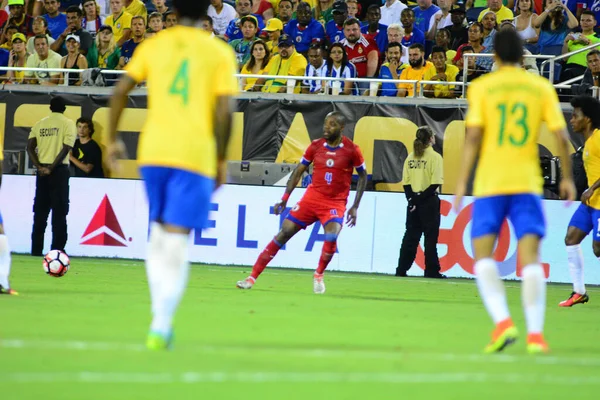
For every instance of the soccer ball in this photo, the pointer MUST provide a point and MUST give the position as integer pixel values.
(56, 263)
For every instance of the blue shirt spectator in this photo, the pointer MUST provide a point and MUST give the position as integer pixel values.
(234, 31)
(304, 29)
(56, 25)
(128, 49)
(380, 37)
(550, 41)
(334, 32)
(423, 17)
(4, 56)
(416, 36)
(389, 88)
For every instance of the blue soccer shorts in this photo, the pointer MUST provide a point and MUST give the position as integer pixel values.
(586, 219)
(178, 197)
(524, 211)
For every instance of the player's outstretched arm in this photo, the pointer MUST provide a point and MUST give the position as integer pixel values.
(566, 187)
(471, 150)
(115, 148)
(291, 184)
(360, 189)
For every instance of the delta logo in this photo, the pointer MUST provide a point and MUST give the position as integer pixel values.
(104, 228)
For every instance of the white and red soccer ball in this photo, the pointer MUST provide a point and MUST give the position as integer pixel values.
(56, 263)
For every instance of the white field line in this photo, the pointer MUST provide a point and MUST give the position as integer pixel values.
(292, 377)
(303, 353)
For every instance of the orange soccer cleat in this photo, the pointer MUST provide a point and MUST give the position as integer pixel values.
(504, 335)
(574, 298)
(536, 344)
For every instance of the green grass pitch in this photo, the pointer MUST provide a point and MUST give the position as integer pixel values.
(369, 337)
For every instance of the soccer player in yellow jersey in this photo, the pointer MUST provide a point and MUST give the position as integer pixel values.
(585, 120)
(506, 110)
(182, 146)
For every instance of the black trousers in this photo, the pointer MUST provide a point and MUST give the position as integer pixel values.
(51, 193)
(425, 219)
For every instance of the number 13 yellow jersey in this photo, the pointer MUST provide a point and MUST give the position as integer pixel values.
(186, 71)
(510, 106)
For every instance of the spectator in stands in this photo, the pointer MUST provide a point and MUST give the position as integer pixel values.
(352, 8)
(17, 58)
(391, 69)
(3, 17)
(475, 41)
(73, 60)
(440, 20)
(56, 21)
(285, 10)
(222, 14)
(524, 24)
(136, 8)
(489, 29)
(316, 68)
(91, 18)
(263, 8)
(338, 66)
(160, 6)
(424, 12)
(169, 19)
(577, 64)
(554, 26)
(442, 39)
(243, 8)
(442, 72)
(375, 31)
(74, 21)
(390, 12)
(249, 26)
(361, 52)
(155, 22)
(119, 21)
(412, 34)
(86, 155)
(322, 11)
(206, 24)
(43, 58)
(305, 29)
(334, 29)
(287, 63)
(40, 27)
(104, 52)
(19, 18)
(497, 8)
(416, 70)
(9, 32)
(529, 64)
(395, 33)
(274, 30)
(458, 30)
(257, 65)
(472, 70)
(591, 77)
(138, 30)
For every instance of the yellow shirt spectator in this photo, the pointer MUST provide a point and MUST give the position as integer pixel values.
(443, 90)
(136, 8)
(295, 65)
(502, 14)
(411, 74)
(251, 81)
(119, 24)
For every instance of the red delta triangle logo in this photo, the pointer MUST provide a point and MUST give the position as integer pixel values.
(104, 228)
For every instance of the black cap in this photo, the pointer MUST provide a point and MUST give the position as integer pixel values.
(340, 7)
(458, 10)
(285, 40)
(57, 104)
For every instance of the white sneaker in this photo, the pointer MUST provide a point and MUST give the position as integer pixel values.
(318, 285)
(245, 284)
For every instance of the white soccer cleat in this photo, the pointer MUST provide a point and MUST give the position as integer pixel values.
(245, 284)
(318, 285)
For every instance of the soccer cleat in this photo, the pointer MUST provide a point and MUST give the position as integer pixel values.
(318, 284)
(504, 335)
(157, 342)
(574, 298)
(536, 344)
(246, 283)
(10, 292)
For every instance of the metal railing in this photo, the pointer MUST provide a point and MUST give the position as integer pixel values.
(552, 61)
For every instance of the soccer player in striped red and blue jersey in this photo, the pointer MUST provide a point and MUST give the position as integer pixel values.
(334, 157)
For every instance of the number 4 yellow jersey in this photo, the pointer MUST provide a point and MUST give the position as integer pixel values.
(186, 71)
(510, 106)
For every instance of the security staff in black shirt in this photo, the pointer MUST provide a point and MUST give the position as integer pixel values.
(422, 176)
(52, 137)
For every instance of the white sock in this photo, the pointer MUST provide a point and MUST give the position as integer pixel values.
(154, 260)
(4, 262)
(533, 294)
(173, 276)
(575, 257)
(491, 289)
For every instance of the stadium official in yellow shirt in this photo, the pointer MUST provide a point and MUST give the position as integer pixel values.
(52, 137)
(585, 120)
(422, 176)
(506, 110)
(182, 146)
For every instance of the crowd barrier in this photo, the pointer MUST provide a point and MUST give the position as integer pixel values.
(109, 218)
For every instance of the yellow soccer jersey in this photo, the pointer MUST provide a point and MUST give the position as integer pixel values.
(119, 24)
(183, 85)
(510, 105)
(591, 163)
